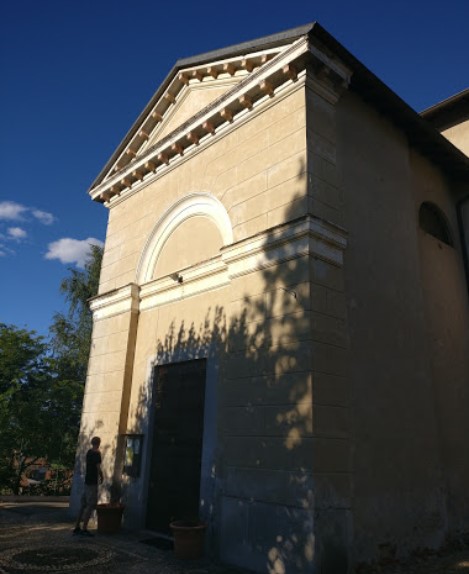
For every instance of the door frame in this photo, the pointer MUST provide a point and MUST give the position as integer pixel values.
(209, 465)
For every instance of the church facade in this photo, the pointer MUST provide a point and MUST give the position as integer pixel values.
(281, 335)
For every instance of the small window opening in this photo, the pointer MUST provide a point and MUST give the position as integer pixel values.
(432, 221)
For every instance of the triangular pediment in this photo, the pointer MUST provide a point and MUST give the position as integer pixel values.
(192, 98)
(233, 85)
(188, 92)
(206, 97)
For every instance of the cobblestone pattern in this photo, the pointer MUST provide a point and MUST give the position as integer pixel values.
(38, 540)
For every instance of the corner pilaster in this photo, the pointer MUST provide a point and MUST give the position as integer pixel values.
(326, 82)
(109, 379)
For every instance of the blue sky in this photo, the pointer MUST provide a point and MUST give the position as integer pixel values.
(75, 75)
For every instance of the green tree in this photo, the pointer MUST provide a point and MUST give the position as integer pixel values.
(71, 331)
(42, 383)
(24, 377)
(70, 347)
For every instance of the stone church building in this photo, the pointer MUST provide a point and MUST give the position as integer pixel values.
(281, 334)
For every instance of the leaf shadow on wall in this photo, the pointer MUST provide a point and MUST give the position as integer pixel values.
(261, 509)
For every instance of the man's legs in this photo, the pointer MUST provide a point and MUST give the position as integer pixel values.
(83, 503)
(91, 502)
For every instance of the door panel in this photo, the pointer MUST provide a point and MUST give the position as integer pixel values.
(174, 488)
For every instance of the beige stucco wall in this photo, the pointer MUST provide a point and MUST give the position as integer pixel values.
(254, 333)
(446, 300)
(104, 410)
(326, 383)
(256, 171)
(458, 135)
(275, 329)
(194, 240)
(400, 494)
(332, 448)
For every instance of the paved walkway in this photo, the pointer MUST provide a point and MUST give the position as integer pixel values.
(37, 538)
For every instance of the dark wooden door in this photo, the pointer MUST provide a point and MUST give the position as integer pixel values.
(174, 488)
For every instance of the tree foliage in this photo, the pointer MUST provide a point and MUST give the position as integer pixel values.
(42, 382)
(71, 331)
(24, 375)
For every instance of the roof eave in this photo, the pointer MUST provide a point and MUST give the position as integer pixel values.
(420, 133)
(448, 102)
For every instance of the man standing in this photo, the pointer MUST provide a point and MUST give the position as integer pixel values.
(93, 477)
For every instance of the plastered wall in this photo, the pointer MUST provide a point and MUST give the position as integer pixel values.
(256, 171)
(328, 431)
(255, 334)
(400, 496)
(458, 135)
(447, 315)
(331, 451)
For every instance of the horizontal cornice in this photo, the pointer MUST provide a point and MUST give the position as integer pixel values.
(306, 236)
(115, 302)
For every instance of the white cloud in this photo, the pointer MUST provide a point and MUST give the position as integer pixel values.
(44, 216)
(10, 210)
(68, 250)
(16, 233)
(5, 251)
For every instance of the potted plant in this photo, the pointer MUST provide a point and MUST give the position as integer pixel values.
(110, 513)
(189, 538)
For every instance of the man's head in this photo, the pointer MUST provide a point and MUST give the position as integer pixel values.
(95, 442)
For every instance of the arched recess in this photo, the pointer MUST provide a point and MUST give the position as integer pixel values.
(195, 204)
(433, 221)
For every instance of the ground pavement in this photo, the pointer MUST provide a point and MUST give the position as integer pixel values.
(36, 538)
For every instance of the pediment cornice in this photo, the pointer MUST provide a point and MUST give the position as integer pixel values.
(264, 76)
(211, 74)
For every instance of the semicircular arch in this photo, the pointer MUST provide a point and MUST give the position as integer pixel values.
(195, 204)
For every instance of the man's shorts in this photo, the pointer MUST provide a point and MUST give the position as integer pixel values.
(89, 497)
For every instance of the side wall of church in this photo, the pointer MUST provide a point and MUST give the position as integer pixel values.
(408, 317)
(447, 320)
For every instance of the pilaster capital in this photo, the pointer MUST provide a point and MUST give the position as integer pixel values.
(115, 302)
(326, 75)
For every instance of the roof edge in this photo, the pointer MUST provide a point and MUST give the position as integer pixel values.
(420, 132)
(262, 43)
(448, 102)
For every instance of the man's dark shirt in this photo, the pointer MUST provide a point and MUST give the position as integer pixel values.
(93, 458)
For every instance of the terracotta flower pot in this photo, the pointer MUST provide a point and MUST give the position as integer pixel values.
(189, 538)
(109, 517)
